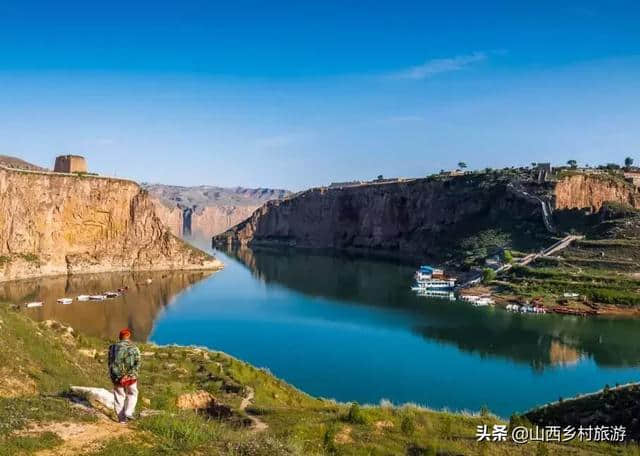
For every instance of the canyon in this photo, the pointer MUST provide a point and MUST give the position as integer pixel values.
(204, 211)
(55, 223)
(435, 217)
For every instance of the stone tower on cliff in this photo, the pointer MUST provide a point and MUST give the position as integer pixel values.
(70, 164)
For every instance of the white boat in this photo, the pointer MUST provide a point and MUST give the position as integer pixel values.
(483, 301)
(97, 297)
(469, 298)
(442, 294)
(149, 280)
(434, 279)
(64, 300)
(83, 297)
(111, 294)
(34, 304)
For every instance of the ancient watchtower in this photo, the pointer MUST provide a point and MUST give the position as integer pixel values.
(70, 164)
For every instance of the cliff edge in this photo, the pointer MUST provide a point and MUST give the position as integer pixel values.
(57, 223)
(441, 217)
(435, 217)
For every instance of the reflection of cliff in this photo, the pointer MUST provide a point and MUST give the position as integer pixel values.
(136, 309)
(344, 277)
(535, 340)
(505, 335)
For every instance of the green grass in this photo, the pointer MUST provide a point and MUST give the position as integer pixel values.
(28, 444)
(598, 285)
(298, 423)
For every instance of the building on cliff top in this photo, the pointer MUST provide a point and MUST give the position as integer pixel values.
(70, 164)
(633, 176)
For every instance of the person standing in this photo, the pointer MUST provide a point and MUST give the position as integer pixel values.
(124, 364)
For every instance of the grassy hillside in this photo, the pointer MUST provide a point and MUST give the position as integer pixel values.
(40, 362)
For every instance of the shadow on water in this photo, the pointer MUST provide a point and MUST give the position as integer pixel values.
(137, 308)
(537, 340)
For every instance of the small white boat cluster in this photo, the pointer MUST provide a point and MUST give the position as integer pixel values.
(96, 297)
(478, 301)
(443, 294)
(526, 308)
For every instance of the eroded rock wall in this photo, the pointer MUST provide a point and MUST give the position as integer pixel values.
(65, 224)
(422, 217)
(585, 191)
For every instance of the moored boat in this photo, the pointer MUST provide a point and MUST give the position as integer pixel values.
(428, 277)
(97, 297)
(64, 300)
(83, 297)
(441, 294)
(111, 294)
(34, 304)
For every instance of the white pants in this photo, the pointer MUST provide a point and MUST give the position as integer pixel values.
(125, 398)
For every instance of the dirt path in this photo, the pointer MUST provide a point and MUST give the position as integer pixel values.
(257, 425)
(79, 437)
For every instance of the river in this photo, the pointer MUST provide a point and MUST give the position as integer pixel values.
(349, 328)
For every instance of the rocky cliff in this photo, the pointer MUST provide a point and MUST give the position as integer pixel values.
(64, 224)
(433, 217)
(591, 191)
(205, 211)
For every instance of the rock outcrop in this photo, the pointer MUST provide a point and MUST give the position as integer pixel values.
(423, 217)
(57, 223)
(430, 217)
(591, 191)
(205, 211)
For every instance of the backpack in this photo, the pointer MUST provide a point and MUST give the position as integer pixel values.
(124, 359)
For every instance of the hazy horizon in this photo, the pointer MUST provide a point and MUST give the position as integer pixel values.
(293, 96)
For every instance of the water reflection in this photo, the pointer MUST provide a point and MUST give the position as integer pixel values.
(137, 308)
(536, 340)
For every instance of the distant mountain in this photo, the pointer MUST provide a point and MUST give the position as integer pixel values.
(205, 211)
(14, 162)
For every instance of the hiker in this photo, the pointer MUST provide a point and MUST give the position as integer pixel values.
(124, 362)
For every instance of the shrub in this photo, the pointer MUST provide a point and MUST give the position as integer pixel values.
(355, 415)
(508, 256)
(488, 275)
(408, 424)
(328, 440)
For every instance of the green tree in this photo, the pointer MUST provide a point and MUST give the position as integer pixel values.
(508, 256)
(380, 177)
(488, 275)
(628, 162)
(572, 163)
(462, 165)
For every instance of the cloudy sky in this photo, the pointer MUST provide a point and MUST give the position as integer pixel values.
(296, 94)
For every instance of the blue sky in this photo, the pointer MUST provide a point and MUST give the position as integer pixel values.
(296, 94)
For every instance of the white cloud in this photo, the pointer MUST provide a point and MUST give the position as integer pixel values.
(437, 66)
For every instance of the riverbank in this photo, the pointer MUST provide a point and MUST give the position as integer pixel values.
(41, 361)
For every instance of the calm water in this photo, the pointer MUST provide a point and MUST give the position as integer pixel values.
(350, 329)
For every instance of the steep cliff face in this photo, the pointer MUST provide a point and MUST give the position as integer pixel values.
(424, 217)
(209, 221)
(205, 211)
(585, 191)
(58, 224)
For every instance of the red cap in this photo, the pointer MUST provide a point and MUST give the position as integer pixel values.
(126, 332)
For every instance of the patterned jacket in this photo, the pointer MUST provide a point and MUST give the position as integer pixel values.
(124, 360)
